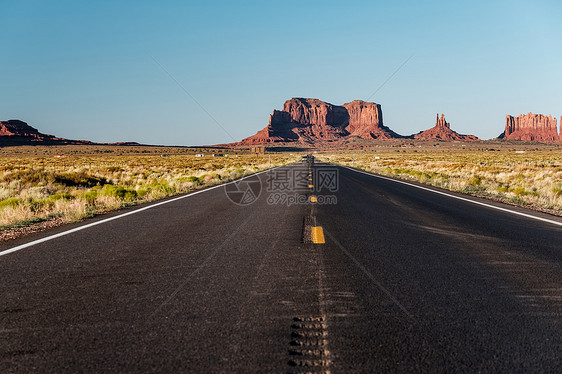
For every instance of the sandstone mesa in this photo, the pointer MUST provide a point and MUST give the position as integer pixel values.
(311, 120)
(531, 127)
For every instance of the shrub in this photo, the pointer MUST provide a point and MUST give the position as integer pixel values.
(475, 181)
(118, 192)
(162, 188)
(11, 202)
(60, 196)
(89, 196)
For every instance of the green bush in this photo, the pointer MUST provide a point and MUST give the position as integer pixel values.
(142, 192)
(521, 191)
(89, 196)
(11, 202)
(163, 188)
(60, 196)
(118, 192)
(475, 181)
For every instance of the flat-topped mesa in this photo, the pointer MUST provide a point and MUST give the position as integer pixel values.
(315, 112)
(278, 130)
(309, 120)
(531, 127)
(365, 121)
(442, 131)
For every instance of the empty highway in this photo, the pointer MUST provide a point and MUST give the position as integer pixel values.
(345, 273)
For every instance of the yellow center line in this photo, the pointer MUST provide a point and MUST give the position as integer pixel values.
(318, 235)
(313, 199)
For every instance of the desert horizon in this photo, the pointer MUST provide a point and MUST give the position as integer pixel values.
(280, 187)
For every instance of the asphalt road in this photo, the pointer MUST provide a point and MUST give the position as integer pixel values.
(408, 280)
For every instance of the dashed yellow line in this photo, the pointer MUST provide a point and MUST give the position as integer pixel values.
(318, 235)
(310, 186)
(313, 199)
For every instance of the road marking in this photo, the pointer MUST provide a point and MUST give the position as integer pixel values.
(87, 226)
(459, 198)
(313, 199)
(369, 275)
(310, 186)
(318, 235)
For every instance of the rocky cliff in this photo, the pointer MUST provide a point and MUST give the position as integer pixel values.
(310, 120)
(531, 127)
(16, 132)
(365, 121)
(15, 127)
(442, 131)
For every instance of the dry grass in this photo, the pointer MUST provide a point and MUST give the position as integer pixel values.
(35, 185)
(529, 176)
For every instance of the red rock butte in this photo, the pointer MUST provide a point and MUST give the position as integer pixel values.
(442, 131)
(16, 127)
(310, 120)
(531, 127)
(18, 132)
(15, 132)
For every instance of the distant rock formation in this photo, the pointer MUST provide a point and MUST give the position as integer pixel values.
(365, 121)
(442, 131)
(19, 128)
(311, 120)
(16, 132)
(531, 127)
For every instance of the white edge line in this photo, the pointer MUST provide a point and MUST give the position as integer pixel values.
(458, 197)
(51, 237)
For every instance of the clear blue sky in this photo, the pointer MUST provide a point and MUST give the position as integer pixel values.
(84, 70)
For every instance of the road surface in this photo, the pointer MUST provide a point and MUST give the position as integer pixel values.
(407, 280)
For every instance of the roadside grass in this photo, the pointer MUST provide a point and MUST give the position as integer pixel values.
(532, 178)
(74, 187)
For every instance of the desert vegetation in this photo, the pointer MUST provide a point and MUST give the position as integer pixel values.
(528, 176)
(72, 183)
